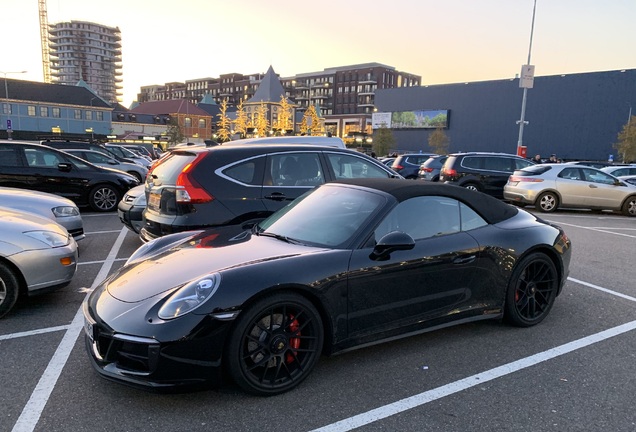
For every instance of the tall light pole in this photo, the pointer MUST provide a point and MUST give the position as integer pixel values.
(8, 106)
(526, 81)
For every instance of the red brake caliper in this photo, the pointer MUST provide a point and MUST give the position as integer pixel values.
(294, 342)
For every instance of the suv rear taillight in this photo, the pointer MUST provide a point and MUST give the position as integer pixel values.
(397, 167)
(189, 191)
(448, 172)
(428, 170)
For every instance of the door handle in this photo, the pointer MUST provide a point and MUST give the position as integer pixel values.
(593, 186)
(276, 196)
(464, 259)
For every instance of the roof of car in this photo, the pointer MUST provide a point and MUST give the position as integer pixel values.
(490, 208)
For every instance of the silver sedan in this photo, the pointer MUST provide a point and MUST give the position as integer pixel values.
(36, 255)
(61, 210)
(552, 186)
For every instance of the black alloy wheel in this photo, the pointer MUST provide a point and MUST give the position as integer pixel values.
(472, 186)
(8, 289)
(103, 198)
(274, 344)
(532, 290)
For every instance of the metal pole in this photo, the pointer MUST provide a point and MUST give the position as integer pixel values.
(522, 121)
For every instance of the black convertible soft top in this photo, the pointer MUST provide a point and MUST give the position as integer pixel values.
(490, 208)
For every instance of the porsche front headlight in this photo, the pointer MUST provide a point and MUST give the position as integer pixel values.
(190, 296)
(50, 238)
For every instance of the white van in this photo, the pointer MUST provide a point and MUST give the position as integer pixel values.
(305, 139)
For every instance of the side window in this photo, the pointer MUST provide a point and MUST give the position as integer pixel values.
(522, 163)
(422, 217)
(42, 158)
(474, 162)
(349, 166)
(470, 219)
(9, 157)
(246, 172)
(570, 174)
(597, 176)
(295, 169)
(503, 164)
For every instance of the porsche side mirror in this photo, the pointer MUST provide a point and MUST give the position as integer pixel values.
(391, 242)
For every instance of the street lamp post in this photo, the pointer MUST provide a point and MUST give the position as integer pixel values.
(8, 106)
(522, 121)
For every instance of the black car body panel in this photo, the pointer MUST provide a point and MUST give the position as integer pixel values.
(243, 184)
(37, 167)
(364, 293)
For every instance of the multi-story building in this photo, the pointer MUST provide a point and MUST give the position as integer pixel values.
(344, 95)
(89, 52)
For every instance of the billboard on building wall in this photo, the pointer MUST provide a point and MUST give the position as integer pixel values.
(422, 119)
(419, 119)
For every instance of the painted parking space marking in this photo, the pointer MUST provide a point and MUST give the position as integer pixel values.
(33, 409)
(472, 381)
(33, 332)
(601, 230)
(596, 287)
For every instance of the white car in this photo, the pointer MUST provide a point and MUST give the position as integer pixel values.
(57, 208)
(101, 159)
(36, 255)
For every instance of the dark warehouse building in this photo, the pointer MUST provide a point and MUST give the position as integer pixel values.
(576, 116)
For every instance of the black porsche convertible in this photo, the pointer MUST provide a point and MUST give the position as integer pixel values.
(345, 265)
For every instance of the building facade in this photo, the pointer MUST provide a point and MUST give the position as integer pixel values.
(575, 116)
(345, 96)
(90, 52)
(33, 110)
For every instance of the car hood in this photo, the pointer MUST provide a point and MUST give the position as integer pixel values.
(17, 195)
(196, 258)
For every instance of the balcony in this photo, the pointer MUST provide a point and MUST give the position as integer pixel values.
(370, 79)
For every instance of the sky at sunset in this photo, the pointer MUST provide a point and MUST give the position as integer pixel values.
(443, 41)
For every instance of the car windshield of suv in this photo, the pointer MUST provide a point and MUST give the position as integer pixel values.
(327, 216)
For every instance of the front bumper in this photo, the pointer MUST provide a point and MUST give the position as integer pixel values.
(131, 216)
(147, 362)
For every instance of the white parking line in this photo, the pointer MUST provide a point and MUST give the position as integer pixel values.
(602, 230)
(33, 409)
(480, 378)
(33, 332)
(472, 381)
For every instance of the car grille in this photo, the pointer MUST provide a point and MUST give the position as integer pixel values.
(79, 232)
(137, 355)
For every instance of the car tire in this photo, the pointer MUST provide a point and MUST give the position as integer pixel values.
(629, 206)
(531, 291)
(547, 202)
(136, 175)
(274, 344)
(9, 289)
(472, 186)
(104, 198)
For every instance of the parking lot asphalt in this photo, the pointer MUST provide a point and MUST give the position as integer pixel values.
(573, 372)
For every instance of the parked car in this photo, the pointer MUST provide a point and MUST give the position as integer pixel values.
(36, 255)
(481, 171)
(125, 153)
(85, 145)
(552, 186)
(54, 207)
(46, 169)
(408, 164)
(131, 208)
(142, 150)
(594, 164)
(348, 264)
(103, 160)
(305, 139)
(200, 187)
(388, 161)
(620, 170)
(430, 169)
(631, 179)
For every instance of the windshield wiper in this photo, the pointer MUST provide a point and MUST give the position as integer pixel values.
(277, 236)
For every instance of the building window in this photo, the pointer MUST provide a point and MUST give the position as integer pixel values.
(44, 111)
(89, 115)
(99, 116)
(31, 110)
(188, 122)
(6, 108)
(77, 114)
(55, 112)
(201, 123)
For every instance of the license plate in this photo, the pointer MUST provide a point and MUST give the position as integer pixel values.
(153, 200)
(88, 329)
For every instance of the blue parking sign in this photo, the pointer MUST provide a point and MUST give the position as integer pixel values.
(8, 124)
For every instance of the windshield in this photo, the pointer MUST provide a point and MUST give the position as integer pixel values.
(327, 216)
